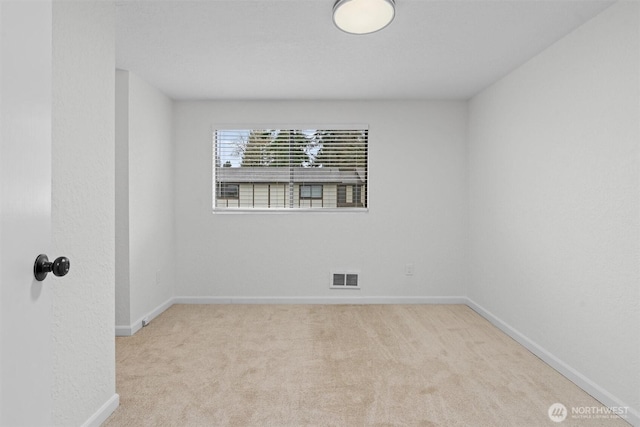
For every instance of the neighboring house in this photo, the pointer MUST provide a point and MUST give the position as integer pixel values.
(283, 187)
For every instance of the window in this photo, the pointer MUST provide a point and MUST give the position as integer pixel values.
(350, 196)
(289, 169)
(228, 191)
(311, 191)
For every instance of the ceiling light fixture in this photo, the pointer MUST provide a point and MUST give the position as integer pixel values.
(363, 16)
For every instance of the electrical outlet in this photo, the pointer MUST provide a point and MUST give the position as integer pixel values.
(408, 269)
(158, 277)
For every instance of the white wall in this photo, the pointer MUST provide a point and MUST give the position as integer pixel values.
(543, 172)
(554, 206)
(122, 267)
(83, 211)
(145, 219)
(417, 207)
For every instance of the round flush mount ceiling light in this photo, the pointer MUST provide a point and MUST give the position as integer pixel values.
(363, 16)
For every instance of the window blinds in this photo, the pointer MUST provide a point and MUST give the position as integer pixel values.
(290, 168)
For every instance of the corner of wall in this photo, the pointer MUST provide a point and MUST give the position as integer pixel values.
(145, 201)
(84, 172)
(122, 285)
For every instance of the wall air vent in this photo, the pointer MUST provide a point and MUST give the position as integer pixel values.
(345, 281)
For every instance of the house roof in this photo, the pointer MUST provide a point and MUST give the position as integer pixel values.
(285, 174)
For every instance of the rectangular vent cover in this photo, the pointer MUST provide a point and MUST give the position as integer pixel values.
(345, 281)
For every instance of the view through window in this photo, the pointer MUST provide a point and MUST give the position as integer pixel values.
(290, 168)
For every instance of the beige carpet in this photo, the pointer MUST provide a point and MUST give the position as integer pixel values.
(335, 365)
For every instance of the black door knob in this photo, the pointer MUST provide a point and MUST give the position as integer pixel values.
(59, 267)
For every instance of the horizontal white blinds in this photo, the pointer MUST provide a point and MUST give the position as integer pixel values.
(290, 168)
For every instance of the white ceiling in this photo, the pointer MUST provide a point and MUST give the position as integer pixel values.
(290, 49)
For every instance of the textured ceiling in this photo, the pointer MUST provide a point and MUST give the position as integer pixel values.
(289, 49)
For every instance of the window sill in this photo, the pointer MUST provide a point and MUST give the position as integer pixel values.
(294, 211)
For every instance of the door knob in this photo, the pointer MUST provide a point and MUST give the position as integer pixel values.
(59, 267)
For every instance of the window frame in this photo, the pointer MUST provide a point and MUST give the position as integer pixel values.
(219, 191)
(355, 188)
(311, 187)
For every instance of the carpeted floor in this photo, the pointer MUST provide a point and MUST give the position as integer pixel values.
(335, 365)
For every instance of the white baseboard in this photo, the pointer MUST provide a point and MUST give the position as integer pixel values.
(202, 300)
(129, 330)
(124, 331)
(602, 395)
(103, 413)
(320, 300)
